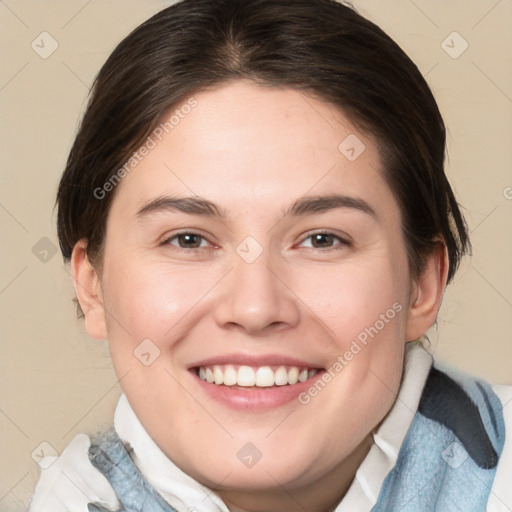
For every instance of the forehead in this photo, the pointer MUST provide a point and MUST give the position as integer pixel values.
(245, 144)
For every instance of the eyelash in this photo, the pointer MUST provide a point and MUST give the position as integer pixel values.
(342, 241)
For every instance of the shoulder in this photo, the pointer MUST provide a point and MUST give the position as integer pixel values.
(480, 417)
(470, 409)
(71, 482)
(501, 493)
(454, 455)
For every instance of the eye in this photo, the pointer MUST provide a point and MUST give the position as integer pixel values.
(187, 240)
(324, 240)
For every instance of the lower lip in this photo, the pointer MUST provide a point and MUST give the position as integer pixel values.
(256, 399)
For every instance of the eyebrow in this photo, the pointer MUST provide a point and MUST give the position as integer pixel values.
(308, 205)
(193, 205)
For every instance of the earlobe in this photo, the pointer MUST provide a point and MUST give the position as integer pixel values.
(87, 286)
(427, 294)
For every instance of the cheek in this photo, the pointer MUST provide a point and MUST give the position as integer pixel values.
(152, 301)
(363, 308)
(354, 297)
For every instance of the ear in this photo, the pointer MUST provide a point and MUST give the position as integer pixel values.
(427, 293)
(87, 285)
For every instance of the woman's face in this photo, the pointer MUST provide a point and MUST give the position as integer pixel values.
(257, 244)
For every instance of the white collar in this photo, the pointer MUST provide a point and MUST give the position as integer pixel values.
(364, 491)
(180, 490)
(184, 493)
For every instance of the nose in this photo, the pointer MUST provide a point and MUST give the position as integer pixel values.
(256, 297)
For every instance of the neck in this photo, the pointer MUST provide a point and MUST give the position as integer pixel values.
(322, 495)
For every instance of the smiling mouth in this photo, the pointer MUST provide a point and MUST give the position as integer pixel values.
(248, 377)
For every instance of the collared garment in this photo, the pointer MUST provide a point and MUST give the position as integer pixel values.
(442, 447)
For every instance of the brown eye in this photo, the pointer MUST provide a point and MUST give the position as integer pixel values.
(324, 241)
(187, 240)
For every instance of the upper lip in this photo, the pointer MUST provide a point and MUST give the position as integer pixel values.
(255, 361)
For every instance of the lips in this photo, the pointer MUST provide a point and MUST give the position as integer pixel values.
(246, 376)
(255, 383)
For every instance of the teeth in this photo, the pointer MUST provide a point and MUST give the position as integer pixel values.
(246, 376)
(293, 376)
(218, 375)
(230, 376)
(281, 376)
(262, 377)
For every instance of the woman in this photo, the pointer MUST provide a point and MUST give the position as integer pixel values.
(257, 218)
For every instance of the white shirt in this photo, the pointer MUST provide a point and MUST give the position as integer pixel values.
(71, 481)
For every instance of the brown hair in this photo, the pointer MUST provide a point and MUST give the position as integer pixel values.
(320, 47)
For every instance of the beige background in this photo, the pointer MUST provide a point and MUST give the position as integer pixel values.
(57, 382)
